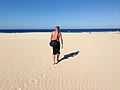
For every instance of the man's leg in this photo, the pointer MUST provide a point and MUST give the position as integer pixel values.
(53, 58)
(58, 55)
(58, 51)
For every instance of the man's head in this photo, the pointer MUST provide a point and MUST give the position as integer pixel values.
(57, 28)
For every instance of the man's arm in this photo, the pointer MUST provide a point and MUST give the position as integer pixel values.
(61, 39)
(51, 36)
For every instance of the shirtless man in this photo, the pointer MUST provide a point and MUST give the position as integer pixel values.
(56, 35)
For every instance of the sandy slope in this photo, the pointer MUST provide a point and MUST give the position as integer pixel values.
(26, 64)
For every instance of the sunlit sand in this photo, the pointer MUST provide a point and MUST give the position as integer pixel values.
(89, 61)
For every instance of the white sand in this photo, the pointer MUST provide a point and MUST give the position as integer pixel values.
(26, 63)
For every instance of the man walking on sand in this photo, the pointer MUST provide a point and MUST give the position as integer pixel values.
(56, 37)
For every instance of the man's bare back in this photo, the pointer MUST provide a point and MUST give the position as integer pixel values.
(56, 36)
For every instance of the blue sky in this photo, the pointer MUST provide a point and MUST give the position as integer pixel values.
(66, 13)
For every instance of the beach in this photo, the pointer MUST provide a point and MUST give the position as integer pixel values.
(90, 61)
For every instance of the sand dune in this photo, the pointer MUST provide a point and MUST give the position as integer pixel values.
(90, 61)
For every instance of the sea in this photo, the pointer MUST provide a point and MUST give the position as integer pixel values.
(61, 30)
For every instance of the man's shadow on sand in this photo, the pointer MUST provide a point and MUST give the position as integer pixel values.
(73, 54)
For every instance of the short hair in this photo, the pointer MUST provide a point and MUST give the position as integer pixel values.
(58, 27)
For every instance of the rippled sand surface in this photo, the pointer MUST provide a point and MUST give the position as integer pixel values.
(89, 61)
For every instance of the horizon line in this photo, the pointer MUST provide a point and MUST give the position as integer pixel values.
(62, 28)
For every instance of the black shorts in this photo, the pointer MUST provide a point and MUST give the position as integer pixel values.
(56, 49)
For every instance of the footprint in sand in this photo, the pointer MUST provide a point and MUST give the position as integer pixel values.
(29, 82)
(43, 75)
(19, 89)
(51, 69)
(34, 80)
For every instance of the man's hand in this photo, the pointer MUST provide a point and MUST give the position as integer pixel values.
(62, 47)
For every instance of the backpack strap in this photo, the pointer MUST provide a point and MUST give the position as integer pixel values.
(57, 36)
